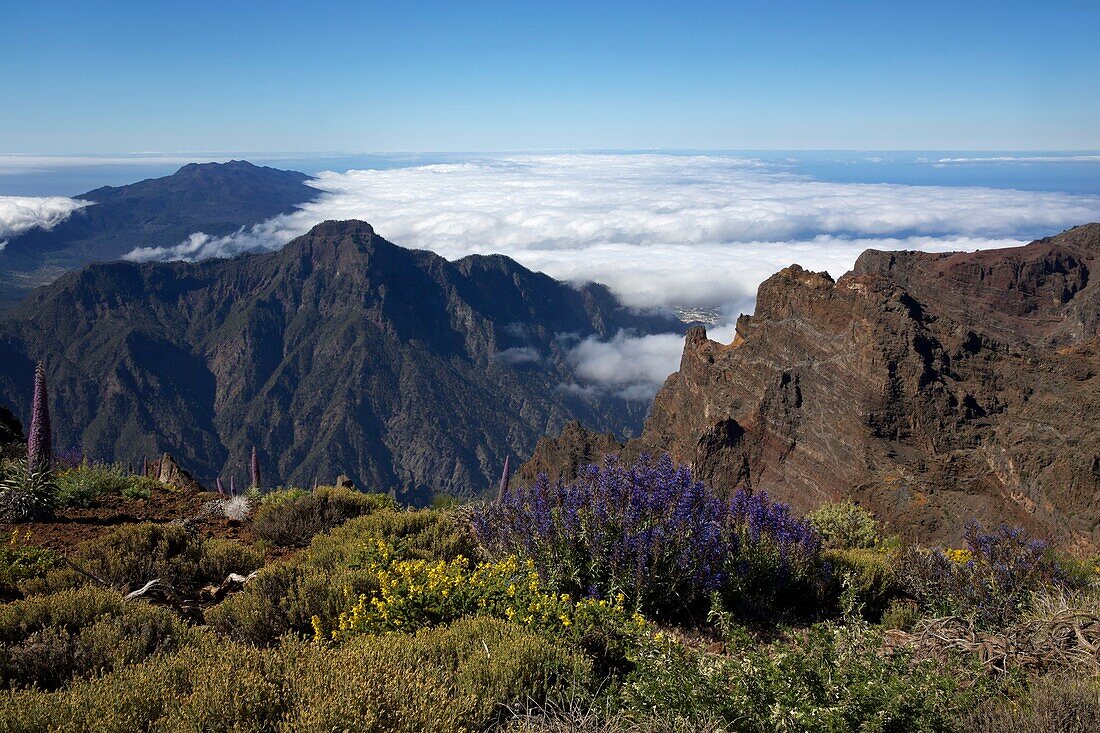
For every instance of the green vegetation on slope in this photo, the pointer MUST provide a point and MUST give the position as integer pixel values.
(465, 618)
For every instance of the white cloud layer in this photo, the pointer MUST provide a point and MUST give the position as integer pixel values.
(659, 230)
(1026, 159)
(20, 213)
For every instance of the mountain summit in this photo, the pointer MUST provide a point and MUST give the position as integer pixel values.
(215, 198)
(340, 353)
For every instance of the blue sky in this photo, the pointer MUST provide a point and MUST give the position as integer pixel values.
(247, 75)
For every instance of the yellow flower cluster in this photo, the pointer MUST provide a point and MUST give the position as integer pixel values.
(959, 557)
(415, 593)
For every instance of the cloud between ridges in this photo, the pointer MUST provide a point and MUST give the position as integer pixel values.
(659, 230)
(22, 213)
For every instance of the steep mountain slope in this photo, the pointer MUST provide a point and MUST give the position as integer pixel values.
(933, 388)
(341, 353)
(215, 198)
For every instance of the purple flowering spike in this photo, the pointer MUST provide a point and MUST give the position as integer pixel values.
(218, 484)
(505, 478)
(40, 440)
(255, 466)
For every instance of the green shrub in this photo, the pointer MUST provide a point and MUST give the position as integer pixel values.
(844, 525)
(20, 561)
(873, 578)
(291, 519)
(132, 555)
(425, 534)
(448, 679)
(1052, 704)
(900, 614)
(88, 482)
(284, 598)
(47, 640)
(413, 594)
(219, 558)
(833, 678)
(282, 496)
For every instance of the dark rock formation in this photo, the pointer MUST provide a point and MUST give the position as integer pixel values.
(12, 442)
(214, 198)
(933, 388)
(340, 353)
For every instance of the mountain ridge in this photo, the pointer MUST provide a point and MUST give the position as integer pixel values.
(214, 198)
(340, 353)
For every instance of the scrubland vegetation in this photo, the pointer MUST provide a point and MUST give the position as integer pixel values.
(631, 599)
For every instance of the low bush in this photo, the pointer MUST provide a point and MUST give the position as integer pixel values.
(845, 525)
(425, 534)
(291, 518)
(132, 555)
(319, 582)
(992, 579)
(1051, 704)
(285, 598)
(279, 497)
(449, 679)
(47, 640)
(654, 534)
(831, 678)
(900, 613)
(872, 574)
(86, 483)
(20, 561)
(218, 558)
(413, 594)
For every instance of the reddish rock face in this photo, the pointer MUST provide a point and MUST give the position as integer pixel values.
(560, 457)
(932, 388)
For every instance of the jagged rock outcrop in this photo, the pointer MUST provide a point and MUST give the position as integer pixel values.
(174, 476)
(340, 353)
(933, 388)
(563, 455)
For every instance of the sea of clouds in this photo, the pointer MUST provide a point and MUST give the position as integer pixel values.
(659, 230)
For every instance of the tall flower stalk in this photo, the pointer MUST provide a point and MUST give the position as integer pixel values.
(255, 469)
(40, 439)
(505, 478)
(34, 495)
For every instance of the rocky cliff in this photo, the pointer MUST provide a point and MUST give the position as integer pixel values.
(932, 388)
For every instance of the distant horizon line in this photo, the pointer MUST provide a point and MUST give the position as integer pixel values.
(138, 155)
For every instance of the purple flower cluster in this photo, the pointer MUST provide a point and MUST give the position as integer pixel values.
(993, 584)
(648, 530)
